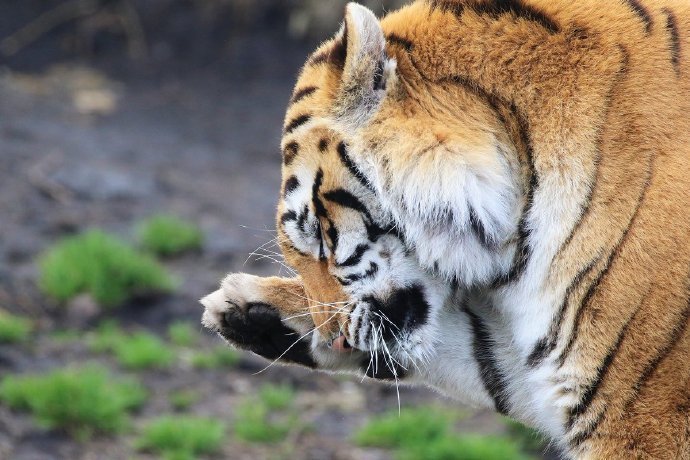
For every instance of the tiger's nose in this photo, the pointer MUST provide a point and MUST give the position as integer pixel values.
(341, 344)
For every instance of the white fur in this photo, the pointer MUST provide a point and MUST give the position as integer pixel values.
(430, 205)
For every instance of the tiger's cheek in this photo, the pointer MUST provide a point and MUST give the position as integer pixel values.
(325, 297)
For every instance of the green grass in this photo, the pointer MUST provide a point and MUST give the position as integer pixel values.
(101, 265)
(411, 426)
(82, 402)
(268, 416)
(13, 329)
(65, 336)
(276, 397)
(253, 423)
(142, 350)
(139, 350)
(168, 235)
(106, 336)
(183, 399)
(182, 334)
(427, 433)
(219, 357)
(463, 447)
(182, 438)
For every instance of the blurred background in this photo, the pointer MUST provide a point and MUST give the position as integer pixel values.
(139, 163)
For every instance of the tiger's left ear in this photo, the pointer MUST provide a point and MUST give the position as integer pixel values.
(367, 69)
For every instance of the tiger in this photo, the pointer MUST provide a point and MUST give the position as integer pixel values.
(491, 198)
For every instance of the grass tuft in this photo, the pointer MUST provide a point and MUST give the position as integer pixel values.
(411, 426)
(82, 402)
(463, 447)
(182, 438)
(168, 235)
(276, 397)
(219, 357)
(140, 350)
(182, 334)
(183, 399)
(268, 416)
(101, 265)
(426, 432)
(13, 329)
(254, 423)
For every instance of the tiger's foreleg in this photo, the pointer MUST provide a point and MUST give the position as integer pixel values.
(272, 318)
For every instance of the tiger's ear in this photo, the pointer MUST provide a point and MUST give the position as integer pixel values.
(366, 69)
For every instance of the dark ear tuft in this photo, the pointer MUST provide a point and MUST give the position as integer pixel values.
(338, 54)
(365, 68)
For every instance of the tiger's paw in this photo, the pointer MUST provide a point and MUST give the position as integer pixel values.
(237, 313)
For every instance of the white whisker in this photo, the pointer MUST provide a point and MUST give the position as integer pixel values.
(295, 343)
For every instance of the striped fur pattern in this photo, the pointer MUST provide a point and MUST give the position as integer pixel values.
(492, 198)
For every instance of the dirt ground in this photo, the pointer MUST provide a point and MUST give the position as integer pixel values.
(104, 146)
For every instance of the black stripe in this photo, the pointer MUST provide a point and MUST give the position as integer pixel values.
(355, 258)
(332, 233)
(371, 271)
(302, 219)
(323, 145)
(593, 387)
(447, 6)
(346, 199)
(379, 82)
(612, 256)
(524, 251)
(495, 102)
(335, 54)
(649, 369)
(483, 348)
(497, 8)
(547, 344)
(320, 58)
(357, 323)
(291, 185)
(288, 216)
(338, 53)
(519, 9)
(586, 209)
(319, 208)
(302, 93)
(642, 13)
(539, 352)
(589, 294)
(319, 237)
(347, 161)
(398, 40)
(290, 152)
(479, 230)
(672, 28)
(296, 123)
(584, 435)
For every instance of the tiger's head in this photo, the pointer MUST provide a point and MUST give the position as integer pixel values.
(365, 286)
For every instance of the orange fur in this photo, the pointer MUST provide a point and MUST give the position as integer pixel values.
(606, 99)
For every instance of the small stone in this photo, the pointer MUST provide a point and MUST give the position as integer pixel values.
(81, 310)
